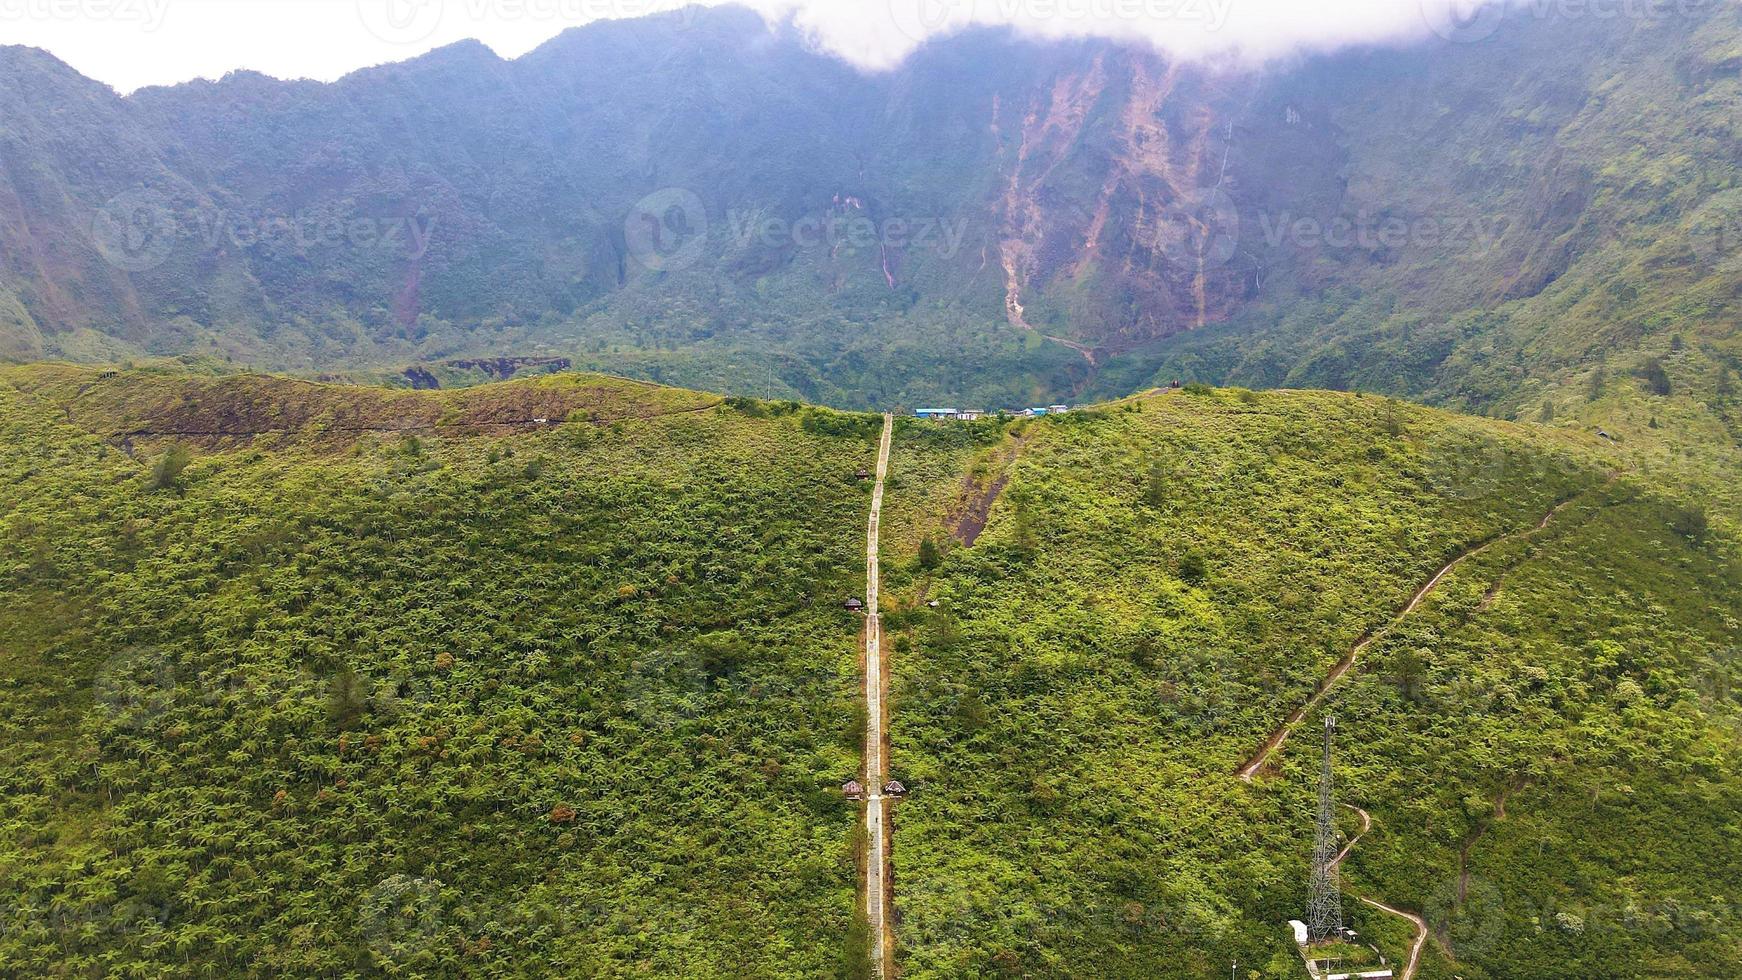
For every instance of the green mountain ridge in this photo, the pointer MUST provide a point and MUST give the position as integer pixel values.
(315, 678)
(428, 502)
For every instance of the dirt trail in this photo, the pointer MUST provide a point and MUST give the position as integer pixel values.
(1420, 924)
(877, 865)
(976, 507)
(1280, 735)
(1499, 814)
(1416, 947)
(980, 511)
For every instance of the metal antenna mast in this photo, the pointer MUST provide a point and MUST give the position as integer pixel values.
(1325, 896)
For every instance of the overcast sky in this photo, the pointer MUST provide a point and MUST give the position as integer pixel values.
(133, 43)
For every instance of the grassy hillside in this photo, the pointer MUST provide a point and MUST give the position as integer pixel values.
(314, 679)
(1162, 581)
(569, 698)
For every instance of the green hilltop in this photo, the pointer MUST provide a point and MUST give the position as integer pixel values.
(320, 679)
(454, 698)
(1165, 578)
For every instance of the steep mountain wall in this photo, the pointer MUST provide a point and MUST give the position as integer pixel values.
(711, 201)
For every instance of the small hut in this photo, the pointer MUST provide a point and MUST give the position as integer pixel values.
(854, 605)
(853, 790)
(895, 788)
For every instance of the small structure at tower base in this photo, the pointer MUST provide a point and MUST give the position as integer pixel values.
(1321, 966)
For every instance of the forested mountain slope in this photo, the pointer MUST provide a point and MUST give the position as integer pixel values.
(1547, 745)
(707, 200)
(462, 696)
(1501, 232)
(553, 675)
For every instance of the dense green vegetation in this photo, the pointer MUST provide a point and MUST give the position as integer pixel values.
(573, 699)
(1164, 579)
(552, 676)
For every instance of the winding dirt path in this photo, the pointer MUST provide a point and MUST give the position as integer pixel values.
(1420, 924)
(1416, 947)
(1280, 735)
(877, 865)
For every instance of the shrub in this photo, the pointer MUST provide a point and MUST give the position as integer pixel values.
(1654, 375)
(928, 553)
(1690, 522)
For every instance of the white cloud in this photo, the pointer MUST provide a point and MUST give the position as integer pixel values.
(132, 43)
(879, 33)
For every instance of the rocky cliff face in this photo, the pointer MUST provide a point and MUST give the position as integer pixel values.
(1118, 211)
(1098, 185)
(653, 192)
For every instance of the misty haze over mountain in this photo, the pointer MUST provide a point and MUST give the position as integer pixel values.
(134, 43)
